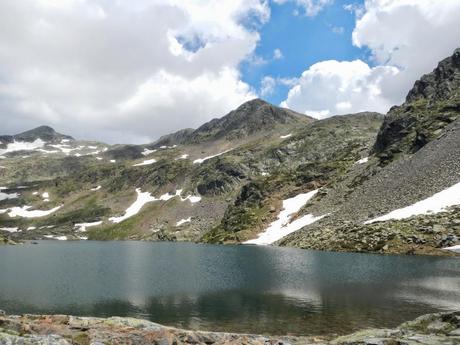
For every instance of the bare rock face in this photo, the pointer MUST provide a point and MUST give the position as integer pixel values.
(442, 84)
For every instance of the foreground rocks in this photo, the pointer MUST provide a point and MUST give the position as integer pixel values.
(442, 328)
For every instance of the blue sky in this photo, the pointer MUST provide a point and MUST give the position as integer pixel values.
(303, 40)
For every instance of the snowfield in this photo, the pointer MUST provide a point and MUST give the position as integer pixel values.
(436, 203)
(25, 213)
(284, 225)
(22, 146)
(201, 160)
(146, 162)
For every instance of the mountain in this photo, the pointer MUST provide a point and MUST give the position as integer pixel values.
(249, 118)
(45, 133)
(260, 173)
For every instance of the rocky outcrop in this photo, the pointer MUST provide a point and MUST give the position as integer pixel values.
(442, 328)
(430, 106)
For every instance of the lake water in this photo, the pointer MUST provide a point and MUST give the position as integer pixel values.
(252, 289)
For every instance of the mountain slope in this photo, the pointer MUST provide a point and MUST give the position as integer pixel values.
(416, 155)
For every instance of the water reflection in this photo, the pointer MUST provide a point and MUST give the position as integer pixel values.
(245, 289)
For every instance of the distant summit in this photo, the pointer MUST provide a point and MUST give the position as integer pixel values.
(249, 118)
(45, 133)
(253, 117)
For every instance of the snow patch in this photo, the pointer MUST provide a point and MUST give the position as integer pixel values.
(284, 225)
(59, 238)
(64, 148)
(434, 204)
(113, 161)
(183, 221)
(455, 248)
(31, 228)
(201, 160)
(96, 188)
(362, 160)
(184, 156)
(81, 227)
(146, 152)
(9, 229)
(142, 199)
(7, 196)
(22, 146)
(25, 213)
(146, 162)
(286, 136)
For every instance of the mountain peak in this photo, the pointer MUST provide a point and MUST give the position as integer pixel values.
(45, 133)
(249, 118)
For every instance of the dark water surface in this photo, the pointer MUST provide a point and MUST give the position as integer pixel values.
(226, 288)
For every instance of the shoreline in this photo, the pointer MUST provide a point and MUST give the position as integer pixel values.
(439, 328)
(418, 251)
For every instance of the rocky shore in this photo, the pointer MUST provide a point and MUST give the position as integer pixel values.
(441, 328)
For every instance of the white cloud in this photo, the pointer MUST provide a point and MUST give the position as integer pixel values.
(332, 87)
(277, 54)
(311, 7)
(412, 35)
(123, 71)
(267, 86)
(407, 38)
(338, 30)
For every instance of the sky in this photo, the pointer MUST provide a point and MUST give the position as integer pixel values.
(124, 71)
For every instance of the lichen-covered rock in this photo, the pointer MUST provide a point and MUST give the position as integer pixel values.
(442, 328)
